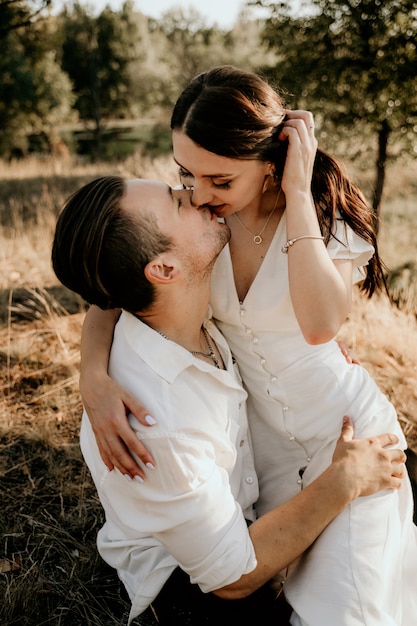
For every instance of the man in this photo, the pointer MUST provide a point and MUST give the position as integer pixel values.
(143, 247)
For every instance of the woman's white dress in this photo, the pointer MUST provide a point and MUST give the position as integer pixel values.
(362, 571)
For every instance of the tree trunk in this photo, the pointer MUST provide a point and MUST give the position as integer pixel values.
(381, 162)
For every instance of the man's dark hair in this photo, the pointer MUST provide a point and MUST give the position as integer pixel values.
(100, 252)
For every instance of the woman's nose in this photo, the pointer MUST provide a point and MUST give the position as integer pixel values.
(200, 195)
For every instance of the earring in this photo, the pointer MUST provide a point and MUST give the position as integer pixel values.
(269, 179)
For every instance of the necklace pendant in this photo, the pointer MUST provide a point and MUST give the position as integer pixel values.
(257, 240)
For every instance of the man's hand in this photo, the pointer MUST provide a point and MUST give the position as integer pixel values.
(346, 353)
(371, 464)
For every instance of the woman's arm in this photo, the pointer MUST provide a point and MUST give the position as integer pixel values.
(321, 290)
(107, 403)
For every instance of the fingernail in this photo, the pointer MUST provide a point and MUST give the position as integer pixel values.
(150, 466)
(128, 478)
(150, 420)
(139, 479)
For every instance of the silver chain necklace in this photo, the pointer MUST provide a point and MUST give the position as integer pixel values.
(257, 238)
(211, 354)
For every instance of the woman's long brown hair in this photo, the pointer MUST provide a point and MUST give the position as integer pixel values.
(237, 114)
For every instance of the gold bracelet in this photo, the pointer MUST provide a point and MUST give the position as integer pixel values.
(291, 242)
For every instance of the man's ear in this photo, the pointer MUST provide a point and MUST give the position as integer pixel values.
(159, 272)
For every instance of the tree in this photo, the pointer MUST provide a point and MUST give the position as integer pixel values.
(18, 13)
(355, 62)
(96, 53)
(35, 94)
(182, 44)
(190, 47)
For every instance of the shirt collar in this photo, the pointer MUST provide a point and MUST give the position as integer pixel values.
(167, 358)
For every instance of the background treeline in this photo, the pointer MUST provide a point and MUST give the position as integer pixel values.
(68, 78)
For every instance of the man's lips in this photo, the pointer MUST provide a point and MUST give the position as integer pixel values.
(209, 210)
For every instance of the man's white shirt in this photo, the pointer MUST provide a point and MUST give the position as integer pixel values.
(191, 510)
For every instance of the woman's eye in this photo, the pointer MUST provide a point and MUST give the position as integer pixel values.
(184, 174)
(222, 185)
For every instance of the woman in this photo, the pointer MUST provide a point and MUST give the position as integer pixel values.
(301, 235)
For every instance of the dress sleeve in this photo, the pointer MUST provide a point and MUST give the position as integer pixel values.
(346, 244)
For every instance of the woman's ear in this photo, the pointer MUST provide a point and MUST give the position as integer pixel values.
(159, 272)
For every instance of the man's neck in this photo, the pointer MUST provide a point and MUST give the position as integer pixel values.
(179, 316)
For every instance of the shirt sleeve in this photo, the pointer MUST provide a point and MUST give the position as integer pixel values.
(186, 504)
(346, 244)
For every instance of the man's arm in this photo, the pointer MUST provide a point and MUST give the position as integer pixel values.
(360, 468)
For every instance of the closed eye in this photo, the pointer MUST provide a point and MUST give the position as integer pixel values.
(183, 174)
(225, 185)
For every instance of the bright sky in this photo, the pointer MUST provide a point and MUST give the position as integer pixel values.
(222, 12)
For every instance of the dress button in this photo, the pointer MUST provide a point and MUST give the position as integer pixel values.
(249, 480)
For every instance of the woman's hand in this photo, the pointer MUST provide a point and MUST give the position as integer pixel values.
(320, 288)
(107, 405)
(298, 129)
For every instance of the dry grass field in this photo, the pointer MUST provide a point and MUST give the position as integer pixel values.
(50, 572)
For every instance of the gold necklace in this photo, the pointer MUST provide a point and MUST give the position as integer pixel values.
(257, 238)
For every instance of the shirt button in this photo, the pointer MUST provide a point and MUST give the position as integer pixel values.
(299, 481)
(249, 480)
(255, 340)
(285, 408)
(263, 361)
(308, 459)
(273, 379)
(292, 437)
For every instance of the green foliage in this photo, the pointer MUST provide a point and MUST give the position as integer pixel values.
(359, 59)
(352, 62)
(96, 53)
(114, 64)
(35, 94)
(17, 13)
(181, 45)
